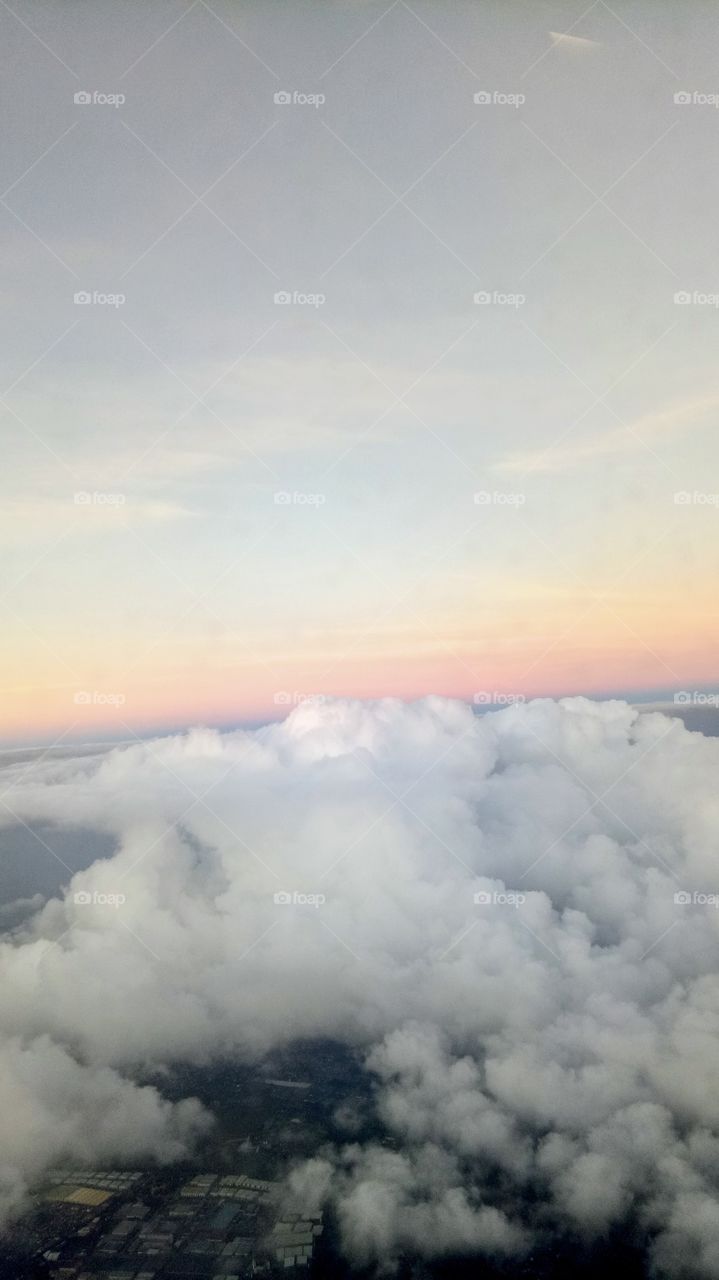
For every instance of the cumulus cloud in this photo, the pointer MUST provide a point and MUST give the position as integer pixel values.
(484, 905)
(54, 1108)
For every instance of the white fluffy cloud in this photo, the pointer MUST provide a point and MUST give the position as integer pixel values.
(547, 1056)
(55, 1108)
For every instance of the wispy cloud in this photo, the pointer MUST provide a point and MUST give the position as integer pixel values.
(574, 42)
(629, 438)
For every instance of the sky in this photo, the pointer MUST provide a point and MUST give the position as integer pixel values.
(377, 390)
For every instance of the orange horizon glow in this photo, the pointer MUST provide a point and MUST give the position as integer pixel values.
(250, 694)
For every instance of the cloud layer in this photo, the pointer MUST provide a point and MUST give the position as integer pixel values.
(486, 906)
